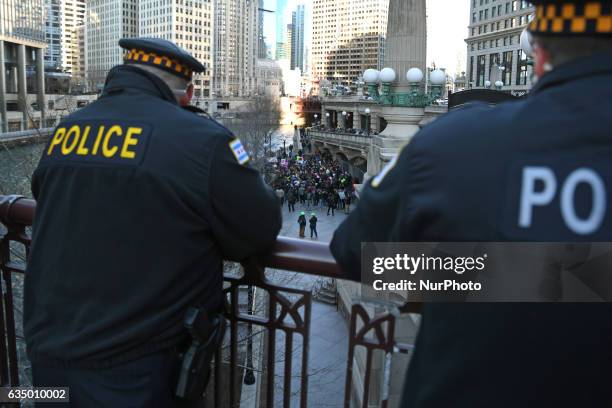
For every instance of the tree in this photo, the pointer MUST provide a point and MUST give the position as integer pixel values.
(254, 124)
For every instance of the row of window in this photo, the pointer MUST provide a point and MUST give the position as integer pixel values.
(503, 62)
(496, 11)
(502, 24)
(497, 42)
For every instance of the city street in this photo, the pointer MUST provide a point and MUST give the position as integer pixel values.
(329, 330)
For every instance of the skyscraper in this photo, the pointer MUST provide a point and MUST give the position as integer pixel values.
(22, 40)
(235, 47)
(107, 22)
(189, 24)
(297, 38)
(348, 37)
(494, 50)
(63, 17)
(281, 25)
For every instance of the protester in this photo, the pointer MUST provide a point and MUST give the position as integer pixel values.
(280, 193)
(314, 180)
(302, 222)
(313, 225)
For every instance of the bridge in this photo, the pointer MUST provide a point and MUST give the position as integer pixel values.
(371, 336)
(351, 149)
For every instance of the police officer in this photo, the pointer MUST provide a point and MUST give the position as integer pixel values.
(534, 170)
(139, 202)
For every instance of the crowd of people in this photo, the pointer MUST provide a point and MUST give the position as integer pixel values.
(312, 181)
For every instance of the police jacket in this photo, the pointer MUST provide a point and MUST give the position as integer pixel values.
(139, 202)
(538, 169)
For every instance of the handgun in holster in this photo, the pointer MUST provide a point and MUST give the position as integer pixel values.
(206, 336)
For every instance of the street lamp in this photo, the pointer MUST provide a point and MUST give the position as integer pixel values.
(438, 80)
(371, 77)
(499, 85)
(327, 124)
(367, 112)
(487, 84)
(387, 76)
(316, 116)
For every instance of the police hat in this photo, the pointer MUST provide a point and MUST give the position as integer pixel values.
(161, 54)
(572, 18)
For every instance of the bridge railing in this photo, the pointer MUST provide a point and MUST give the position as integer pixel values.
(288, 312)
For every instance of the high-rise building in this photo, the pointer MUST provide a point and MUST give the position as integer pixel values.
(348, 37)
(107, 22)
(236, 40)
(22, 43)
(494, 50)
(189, 24)
(53, 33)
(281, 34)
(63, 17)
(288, 42)
(297, 38)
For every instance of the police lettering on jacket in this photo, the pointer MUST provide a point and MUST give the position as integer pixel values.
(99, 142)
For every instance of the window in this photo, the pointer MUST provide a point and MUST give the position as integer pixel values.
(507, 64)
(471, 69)
(521, 74)
(480, 70)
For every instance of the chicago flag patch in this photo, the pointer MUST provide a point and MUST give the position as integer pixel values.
(239, 151)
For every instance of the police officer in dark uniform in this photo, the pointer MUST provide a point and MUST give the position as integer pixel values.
(139, 202)
(534, 170)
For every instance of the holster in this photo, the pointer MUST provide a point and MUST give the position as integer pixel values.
(206, 336)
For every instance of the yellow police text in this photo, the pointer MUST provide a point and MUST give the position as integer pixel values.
(100, 140)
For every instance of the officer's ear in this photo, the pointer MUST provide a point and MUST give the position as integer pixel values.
(542, 60)
(186, 99)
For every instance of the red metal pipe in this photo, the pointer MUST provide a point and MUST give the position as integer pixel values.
(313, 258)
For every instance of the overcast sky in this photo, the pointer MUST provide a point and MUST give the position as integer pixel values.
(447, 22)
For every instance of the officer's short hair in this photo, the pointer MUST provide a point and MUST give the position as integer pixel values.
(177, 84)
(564, 49)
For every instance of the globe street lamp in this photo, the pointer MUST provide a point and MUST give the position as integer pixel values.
(437, 78)
(371, 77)
(487, 84)
(416, 98)
(499, 85)
(387, 76)
(327, 124)
(316, 116)
(367, 112)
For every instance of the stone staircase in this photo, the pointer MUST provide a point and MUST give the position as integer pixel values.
(326, 291)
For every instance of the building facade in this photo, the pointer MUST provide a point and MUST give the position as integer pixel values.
(494, 50)
(63, 19)
(22, 81)
(348, 37)
(107, 22)
(189, 24)
(236, 40)
(297, 38)
(281, 35)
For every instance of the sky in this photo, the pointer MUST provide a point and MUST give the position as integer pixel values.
(447, 22)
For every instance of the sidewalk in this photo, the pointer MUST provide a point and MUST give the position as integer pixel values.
(328, 330)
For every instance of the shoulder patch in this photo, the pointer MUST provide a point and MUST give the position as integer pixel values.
(239, 152)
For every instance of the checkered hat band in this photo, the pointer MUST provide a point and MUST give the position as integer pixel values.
(135, 56)
(588, 18)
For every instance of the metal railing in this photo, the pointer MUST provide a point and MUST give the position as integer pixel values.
(288, 311)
